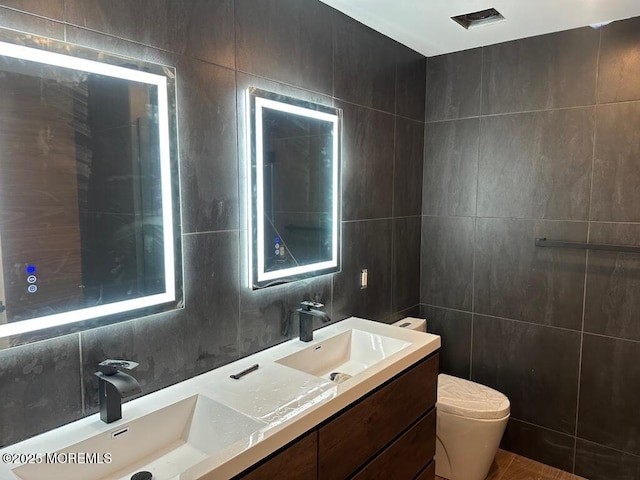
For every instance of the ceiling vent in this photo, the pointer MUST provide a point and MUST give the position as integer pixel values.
(478, 19)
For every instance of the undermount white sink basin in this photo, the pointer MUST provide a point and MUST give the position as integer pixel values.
(350, 353)
(165, 442)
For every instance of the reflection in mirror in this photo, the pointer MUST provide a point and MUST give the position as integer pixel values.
(294, 176)
(88, 205)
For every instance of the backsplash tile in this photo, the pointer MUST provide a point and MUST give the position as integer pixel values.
(161, 344)
(40, 388)
(380, 83)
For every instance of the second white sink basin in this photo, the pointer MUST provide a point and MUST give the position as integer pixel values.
(165, 442)
(349, 353)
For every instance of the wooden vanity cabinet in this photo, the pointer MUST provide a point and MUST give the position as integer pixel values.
(297, 461)
(389, 433)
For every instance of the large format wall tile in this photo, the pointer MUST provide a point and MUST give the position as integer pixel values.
(609, 386)
(405, 289)
(536, 165)
(596, 462)
(451, 168)
(536, 367)
(367, 163)
(364, 68)
(197, 28)
(286, 40)
(268, 316)
(365, 244)
(164, 345)
(616, 171)
(153, 342)
(447, 262)
(613, 282)
(206, 97)
(53, 9)
(540, 444)
(548, 71)
(411, 74)
(30, 23)
(453, 85)
(222, 319)
(40, 388)
(119, 46)
(407, 167)
(454, 328)
(515, 279)
(619, 62)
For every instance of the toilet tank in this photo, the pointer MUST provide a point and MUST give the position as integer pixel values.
(412, 323)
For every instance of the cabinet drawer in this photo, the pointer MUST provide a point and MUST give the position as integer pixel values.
(352, 438)
(298, 461)
(407, 456)
(428, 473)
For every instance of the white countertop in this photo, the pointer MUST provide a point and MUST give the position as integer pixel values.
(287, 402)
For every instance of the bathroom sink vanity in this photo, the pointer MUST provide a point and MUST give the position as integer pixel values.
(390, 433)
(285, 419)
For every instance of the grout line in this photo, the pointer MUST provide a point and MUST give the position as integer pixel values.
(586, 257)
(575, 107)
(82, 399)
(211, 231)
(541, 427)
(611, 448)
(475, 220)
(525, 322)
(380, 219)
(240, 191)
(393, 255)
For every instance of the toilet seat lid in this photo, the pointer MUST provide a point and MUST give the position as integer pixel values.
(469, 399)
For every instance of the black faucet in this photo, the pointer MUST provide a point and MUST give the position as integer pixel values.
(114, 385)
(307, 311)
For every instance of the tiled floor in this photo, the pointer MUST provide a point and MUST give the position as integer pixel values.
(509, 466)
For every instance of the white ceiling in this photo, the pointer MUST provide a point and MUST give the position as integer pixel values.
(426, 25)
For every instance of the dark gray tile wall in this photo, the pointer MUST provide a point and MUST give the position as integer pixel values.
(300, 48)
(539, 138)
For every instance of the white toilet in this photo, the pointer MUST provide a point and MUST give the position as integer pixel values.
(470, 421)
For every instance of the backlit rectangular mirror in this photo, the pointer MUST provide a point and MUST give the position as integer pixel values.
(89, 194)
(294, 172)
